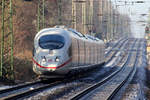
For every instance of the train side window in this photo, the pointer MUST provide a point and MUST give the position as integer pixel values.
(75, 32)
(79, 34)
(85, 36)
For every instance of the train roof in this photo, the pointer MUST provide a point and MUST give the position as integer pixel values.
(63, 29)
(52, 30)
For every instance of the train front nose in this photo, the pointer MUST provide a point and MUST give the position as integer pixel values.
(52, 66)
(50, 52)
(51, 62)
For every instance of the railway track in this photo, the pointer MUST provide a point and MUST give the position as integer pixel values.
(129, 76)
(120, 45)
(114, 60)
(19, 86)
(107, 82)
(24, 90)
(116, 45)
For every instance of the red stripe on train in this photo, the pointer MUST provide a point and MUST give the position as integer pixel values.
(52, 67)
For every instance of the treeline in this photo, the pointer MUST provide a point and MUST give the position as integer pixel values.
(98, 17)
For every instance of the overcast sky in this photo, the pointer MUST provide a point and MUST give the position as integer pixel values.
(134, 11)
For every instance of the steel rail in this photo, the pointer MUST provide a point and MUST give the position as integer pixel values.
(117, 60)
(19, 87)
(114, 46)
(131, 75)
(30, 92)
(27, 92)
(91, 88)
(114, 53)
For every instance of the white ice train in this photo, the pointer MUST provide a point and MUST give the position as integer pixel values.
(58, 51)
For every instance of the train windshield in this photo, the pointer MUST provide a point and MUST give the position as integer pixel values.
(51, 42)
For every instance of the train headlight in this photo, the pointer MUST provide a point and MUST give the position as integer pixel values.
(43, 58)
(57, 59)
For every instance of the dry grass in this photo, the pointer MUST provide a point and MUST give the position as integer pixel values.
(23, 70)
(23, 66)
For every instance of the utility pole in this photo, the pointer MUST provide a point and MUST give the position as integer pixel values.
(41, 15)
(113, 21)
(74, 15)
(117, 22)
(107, 21)
(103, 32)
(100, 15)
(6, 63)
(104, 19)
(111, 17)
(84, 17)
(11, 41)
(59, 2)
(2, 39)
(91, 17)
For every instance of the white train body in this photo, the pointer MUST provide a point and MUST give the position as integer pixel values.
(58, 51)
